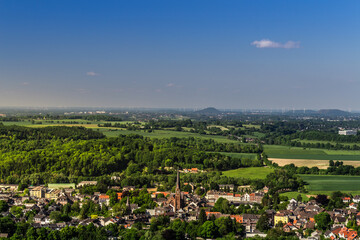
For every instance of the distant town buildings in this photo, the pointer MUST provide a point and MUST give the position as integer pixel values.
(348, 132)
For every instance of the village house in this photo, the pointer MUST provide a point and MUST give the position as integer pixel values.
(281, 217)
(348, 234)
(292, 204)
(256, 197)
(244, 188)
(104, 199)
(225, 187)
(356, 199)
(38, 192)
(353, 206)
(52, 194)
(85, 183)
(9, 187)
(250, 221)
(288, 227)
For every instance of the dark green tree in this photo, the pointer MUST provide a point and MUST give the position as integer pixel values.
(323, 220)
(202, 216)
(263, 223)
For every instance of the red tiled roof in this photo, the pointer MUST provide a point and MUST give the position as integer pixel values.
(238, 218)
(104, 196)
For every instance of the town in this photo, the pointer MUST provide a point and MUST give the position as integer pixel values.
(44, 207)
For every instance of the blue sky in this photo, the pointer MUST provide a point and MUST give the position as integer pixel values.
(226, 54)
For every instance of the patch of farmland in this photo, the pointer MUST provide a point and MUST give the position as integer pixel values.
(330, 183)
(250, 172)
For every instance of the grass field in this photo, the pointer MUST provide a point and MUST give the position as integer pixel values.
(325, 184)
(218, 126)
(61, 185)
(251, 126)
(251, 172)
(276, 151)
(294, 195)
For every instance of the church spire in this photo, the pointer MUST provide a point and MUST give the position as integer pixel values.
(178, 201)
(178, 180)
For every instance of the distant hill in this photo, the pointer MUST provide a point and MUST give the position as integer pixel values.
(333, 112)
(301, 112)
(208, 111)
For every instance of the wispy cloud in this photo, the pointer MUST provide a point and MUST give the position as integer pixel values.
(25, 83)
(266, 43)
(170, 85)
(92, 74)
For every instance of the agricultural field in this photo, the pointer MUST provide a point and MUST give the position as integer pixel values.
(250, 172)
(321, 164)
(321, 141)
(325, 184)
(21, 123)
(251, 126)
(218, 126)
(286, 152)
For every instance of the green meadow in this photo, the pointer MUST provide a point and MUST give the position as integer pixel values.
(250, 172)
(325, 184)
(294, 195)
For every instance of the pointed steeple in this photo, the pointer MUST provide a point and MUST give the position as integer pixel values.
(178, 180)
(178, 200)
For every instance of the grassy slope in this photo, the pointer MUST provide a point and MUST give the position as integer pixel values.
(251, 172)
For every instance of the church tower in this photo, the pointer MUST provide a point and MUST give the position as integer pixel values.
(178, 197)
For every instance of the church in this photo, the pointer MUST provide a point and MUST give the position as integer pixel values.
(176, 199)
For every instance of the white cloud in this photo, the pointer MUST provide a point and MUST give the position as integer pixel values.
(170, 85)
(266, 43)
(92, 74)
(25, 83)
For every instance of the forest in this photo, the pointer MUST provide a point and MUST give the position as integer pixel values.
(39, 155)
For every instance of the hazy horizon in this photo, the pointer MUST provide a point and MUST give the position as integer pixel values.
(188, 54)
